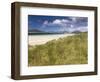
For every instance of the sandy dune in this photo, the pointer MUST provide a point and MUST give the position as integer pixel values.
(42, 39)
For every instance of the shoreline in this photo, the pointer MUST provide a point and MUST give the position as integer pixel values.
(42, 39)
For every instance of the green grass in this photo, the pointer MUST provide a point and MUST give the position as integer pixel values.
(67, 50)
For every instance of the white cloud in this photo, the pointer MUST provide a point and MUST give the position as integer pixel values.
(65, 21)
(74, 19)
(61, 23)
(45, 22)
(82, 29)
(57, 21)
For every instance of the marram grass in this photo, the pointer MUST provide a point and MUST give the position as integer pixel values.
(63, 51)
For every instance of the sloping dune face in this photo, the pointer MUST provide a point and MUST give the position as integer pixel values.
(42, 39)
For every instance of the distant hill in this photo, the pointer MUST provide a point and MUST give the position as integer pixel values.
(76, 31)
(32, 31)
(37, 31)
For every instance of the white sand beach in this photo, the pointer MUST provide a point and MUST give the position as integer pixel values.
(42, 39)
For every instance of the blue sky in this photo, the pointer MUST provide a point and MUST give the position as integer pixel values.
(57, 23)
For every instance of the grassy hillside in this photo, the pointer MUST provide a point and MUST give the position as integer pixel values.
(67, 50)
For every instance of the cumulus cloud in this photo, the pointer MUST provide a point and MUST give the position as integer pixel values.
(74, 19)
(65, 21)
(45, 22)
(65, 24)
(57, 22)
(60, 21)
